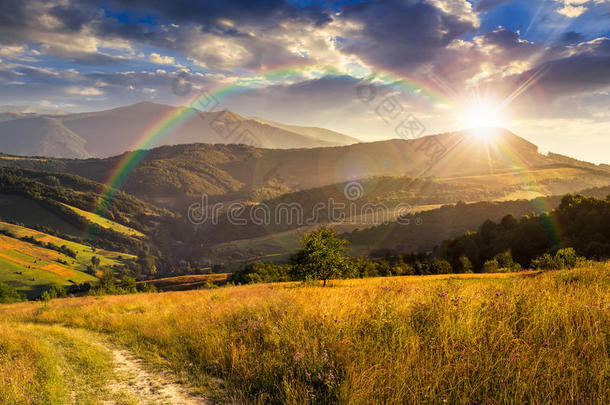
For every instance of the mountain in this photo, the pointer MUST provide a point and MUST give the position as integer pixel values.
(112, 132)
(40, 136)
(321, 134)
(28, 109)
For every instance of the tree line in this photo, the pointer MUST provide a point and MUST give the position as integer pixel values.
(578, 228)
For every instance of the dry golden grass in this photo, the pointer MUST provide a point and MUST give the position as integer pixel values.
(493, 339)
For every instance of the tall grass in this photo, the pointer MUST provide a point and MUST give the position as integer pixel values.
(496, 340)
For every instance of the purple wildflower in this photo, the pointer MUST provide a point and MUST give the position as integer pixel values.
(545, 344)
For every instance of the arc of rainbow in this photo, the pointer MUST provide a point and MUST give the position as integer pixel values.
(161, 127)
(130, 160)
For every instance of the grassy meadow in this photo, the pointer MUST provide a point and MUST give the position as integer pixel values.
(31, 268)
(105, 222)
(535, 338)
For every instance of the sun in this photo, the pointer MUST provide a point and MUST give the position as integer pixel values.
(481, 115)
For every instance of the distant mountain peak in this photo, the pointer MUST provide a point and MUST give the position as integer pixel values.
(28, 109)
(112, 132)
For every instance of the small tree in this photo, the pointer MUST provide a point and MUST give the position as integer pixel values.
(128, 284)
(565, 258)
(544, 262)
(440, 266)
(465, 264)
(95, 261)
(322, 256)
(9, 294)
(491, 266)
(107, 282)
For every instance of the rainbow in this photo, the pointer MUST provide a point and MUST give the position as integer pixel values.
(175, 117)
(431, 87)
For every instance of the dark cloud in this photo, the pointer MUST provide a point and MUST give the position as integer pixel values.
(571, 37)
(209, 12)
(401, 34)
(486, 5)
(13, 13)
(504, 38)
(576, 74)
(562, 84)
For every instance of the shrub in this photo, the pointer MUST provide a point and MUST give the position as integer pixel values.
(147, 288)
(465, 264)
(506, 262)
(9, 294)
(491, 266)
(128, 285)
(565, 258)
(440, 266)
(259, 272)
(544, 262)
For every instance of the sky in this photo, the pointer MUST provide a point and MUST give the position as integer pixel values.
(368, 69)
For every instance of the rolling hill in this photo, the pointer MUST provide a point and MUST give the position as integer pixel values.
(172, 176)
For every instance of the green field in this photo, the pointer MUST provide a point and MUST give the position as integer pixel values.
(32, 269)
(30, 213)
(106, 223)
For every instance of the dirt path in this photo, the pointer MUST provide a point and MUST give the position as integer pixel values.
(94, 370)
(146, 386)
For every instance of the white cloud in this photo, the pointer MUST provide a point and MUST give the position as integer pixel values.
(576, 8)
(84, 91)
(161, 60)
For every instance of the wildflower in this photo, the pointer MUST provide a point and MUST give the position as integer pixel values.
(545, 344)
(474, 402)
(30, 380)
(442, 294)
(457, 346)
(498, 294)
(8, 380)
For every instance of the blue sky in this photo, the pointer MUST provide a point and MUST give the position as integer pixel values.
(539, 68)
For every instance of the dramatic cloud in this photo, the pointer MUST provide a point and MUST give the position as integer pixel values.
(302, 61)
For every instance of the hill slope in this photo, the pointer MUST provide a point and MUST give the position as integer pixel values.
(40, 136)
(33, 261)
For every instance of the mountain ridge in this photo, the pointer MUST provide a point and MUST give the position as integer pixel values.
(173, 175)
(111, 132)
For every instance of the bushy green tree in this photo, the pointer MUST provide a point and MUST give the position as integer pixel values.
(9, 294)
(440, 266)
(128, 285)
(107, 282)
(491, 266)
(465, 264)
(544, 262)
(566, 258)
(321, 257)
